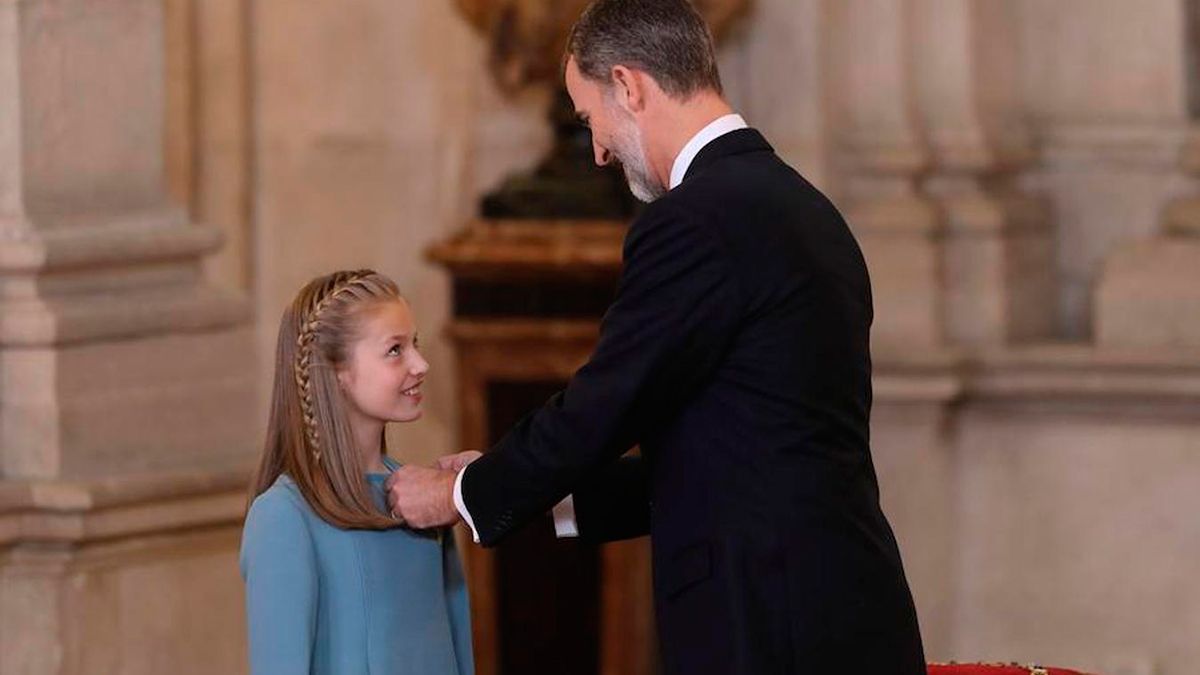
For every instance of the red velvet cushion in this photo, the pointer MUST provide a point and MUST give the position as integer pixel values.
(995, 669)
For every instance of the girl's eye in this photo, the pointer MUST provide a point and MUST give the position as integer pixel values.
(394, 351)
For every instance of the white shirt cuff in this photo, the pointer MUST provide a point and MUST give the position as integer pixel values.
(564, 518)
(462, 506)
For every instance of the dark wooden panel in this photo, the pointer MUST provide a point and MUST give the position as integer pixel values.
(548, 589)
(493, 298)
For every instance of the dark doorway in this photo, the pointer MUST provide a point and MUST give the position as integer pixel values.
(548, 589)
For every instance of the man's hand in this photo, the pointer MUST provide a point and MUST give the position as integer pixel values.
(421, 497)
(458, 461)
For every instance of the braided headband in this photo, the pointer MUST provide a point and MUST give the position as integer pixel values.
(304, 355)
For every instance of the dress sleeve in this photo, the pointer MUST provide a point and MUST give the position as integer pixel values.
(279, 566)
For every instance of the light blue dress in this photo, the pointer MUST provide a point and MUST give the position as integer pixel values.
(320, 599)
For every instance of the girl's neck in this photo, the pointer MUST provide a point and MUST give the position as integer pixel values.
(368, 436)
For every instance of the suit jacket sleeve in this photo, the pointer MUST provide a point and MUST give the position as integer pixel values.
(676, 309)
(614, 503)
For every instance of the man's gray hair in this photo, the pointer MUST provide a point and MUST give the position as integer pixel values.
(667, 39)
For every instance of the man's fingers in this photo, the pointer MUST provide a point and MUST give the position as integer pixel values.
(457, 461)
(418, 495)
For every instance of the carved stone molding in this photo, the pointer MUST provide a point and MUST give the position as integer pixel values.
(998, 246)
(1148, 293)
(114, 352)
(1106, 145)
(89, 569)
(85, 512)
(1104, 381)
(884, 155)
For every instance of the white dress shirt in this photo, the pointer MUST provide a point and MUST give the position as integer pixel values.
(564, 511)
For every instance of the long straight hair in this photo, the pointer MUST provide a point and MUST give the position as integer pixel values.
(308, 434)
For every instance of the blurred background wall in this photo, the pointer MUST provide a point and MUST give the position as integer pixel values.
(1021, 175)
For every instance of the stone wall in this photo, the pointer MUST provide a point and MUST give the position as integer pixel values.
(1021, 178)
(127, 383)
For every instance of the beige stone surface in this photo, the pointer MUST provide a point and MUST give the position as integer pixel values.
(125, 574)
(223, 181)
(1107, 188)
(146, 606)
(915, 463)
(1076, 542)
(999, 281)
(1149, 295)
(997, 252)
(1040, 499)
(873, 96)
(1105, 88)
(102, 310)
(118, 364)
(10, 116)
(377, 131)
(89, 77)
(1099, 60)
(902, 244)
(783, 41)
(967, 85)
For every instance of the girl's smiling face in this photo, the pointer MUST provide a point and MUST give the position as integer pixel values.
(383, 374)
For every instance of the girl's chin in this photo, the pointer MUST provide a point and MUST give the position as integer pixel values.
(408, 415)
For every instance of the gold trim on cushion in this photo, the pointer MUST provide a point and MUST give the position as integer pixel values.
(1033, 670)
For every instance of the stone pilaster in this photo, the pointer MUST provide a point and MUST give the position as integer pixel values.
(1148, 294)
(884, 156)
(126, 381)
(998, 245)
(115, 356)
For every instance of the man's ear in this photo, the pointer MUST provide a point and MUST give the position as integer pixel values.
(629, 89)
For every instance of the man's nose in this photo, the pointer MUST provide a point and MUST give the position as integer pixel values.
(603, 156)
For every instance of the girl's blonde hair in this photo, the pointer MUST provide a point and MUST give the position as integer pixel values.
(308, 434)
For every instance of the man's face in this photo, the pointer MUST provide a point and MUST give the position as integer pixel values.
(615, 134)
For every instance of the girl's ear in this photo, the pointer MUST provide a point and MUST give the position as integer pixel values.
(343, 379)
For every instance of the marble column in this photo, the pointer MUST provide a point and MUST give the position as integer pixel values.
(884, 156)
(209, 127)
(126, 381)
(998, 245)
(784, 41)
(1105, 92)
(1148, 294)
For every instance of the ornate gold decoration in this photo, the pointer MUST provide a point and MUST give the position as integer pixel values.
(1033, 670)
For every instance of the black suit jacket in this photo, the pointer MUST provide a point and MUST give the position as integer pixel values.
(737, 355)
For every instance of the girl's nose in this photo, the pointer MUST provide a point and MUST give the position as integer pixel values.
(419, 365)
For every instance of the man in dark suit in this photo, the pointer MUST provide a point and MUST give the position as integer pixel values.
(737, 355)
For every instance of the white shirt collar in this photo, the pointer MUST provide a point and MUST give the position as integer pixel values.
(716, 129)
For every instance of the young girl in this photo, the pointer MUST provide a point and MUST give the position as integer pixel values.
(334, 584)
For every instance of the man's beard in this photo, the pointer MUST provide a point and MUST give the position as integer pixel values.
(627, 148)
